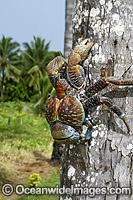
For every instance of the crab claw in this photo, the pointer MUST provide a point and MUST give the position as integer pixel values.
(79, 52)
(83, 48)
(54, 67)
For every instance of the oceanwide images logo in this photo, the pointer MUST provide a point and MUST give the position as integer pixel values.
(8, 190)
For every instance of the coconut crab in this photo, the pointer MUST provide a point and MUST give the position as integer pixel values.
(65, 112)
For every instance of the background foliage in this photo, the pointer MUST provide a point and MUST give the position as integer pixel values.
(23, 74)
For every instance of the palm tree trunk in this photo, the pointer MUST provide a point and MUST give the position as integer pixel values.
(2, 83)
(41, 111)
(107, 161)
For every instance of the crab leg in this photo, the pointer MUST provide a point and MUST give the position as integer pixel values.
(98, 86)
(97, 100)
(108, 102)
(89, 129)
(75, 72)
(104, 82)
(120, 81)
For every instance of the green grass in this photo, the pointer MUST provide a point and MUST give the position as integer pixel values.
(52, 181)
(21, 133)
(22, 129)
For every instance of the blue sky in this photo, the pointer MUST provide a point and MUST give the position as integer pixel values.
(21, 19)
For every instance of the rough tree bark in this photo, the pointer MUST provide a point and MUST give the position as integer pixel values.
(107, 160)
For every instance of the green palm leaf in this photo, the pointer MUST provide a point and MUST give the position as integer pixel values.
(8, 60)
(35, 58)
(15, 69)
(28, 55)
(33, 69)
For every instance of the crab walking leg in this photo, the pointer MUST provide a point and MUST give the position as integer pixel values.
(104, 82)
(89, 126)
(108, 102)
(76, 76)
(120, 81)
(97, 100)
(98, 86)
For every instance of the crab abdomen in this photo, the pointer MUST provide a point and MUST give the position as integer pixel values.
(68, 110)
(71, 111)
(51, 108)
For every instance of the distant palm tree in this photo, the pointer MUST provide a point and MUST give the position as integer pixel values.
(35, 59)
(8, 61)
(69, 7)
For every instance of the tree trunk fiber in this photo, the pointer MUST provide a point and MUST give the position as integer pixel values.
(107, 160)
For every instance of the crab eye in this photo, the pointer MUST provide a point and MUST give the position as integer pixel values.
(55, 73)
(49, 95)
(81, 96)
